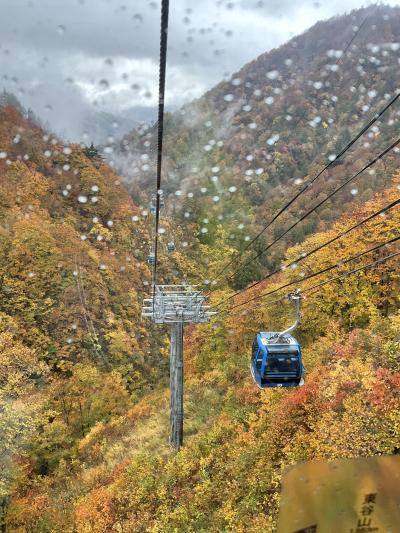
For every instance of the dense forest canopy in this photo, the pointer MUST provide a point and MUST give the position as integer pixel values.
(84, 399)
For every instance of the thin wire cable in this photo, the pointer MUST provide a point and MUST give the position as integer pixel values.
(317, 249)
(363, 130)
(308, 213)
(356, 34)
(160, 127)
(312, 275)
(354, 271)
(336, 278)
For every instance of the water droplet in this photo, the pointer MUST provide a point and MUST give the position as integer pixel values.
(273, 74)
(61, 29)
(273, 139)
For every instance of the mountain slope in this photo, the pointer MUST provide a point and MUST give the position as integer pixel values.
(238, 439)
(73, 351)
(83, 382)
(237, 154)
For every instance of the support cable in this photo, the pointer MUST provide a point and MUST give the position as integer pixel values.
(314, 274)
(317, 249)
(332, 280)
(368, 165)
(161, 99)
(355, 34)
(303, 217)
(363, 130)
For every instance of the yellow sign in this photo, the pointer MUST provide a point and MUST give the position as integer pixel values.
(345, 496)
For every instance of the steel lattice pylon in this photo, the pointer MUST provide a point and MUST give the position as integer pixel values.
(176, 305)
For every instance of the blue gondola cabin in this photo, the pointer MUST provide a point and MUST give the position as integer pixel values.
(276, 361)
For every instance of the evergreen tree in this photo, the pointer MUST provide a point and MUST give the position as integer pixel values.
(91, 151)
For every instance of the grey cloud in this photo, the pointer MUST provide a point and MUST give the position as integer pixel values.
(84, 58)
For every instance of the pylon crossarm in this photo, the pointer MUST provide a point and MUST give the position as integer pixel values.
(174, 303)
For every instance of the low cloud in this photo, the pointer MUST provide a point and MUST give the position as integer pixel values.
(72, 61)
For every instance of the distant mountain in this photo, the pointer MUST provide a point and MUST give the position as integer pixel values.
(84, 400)
(102, 127)
(236, 154)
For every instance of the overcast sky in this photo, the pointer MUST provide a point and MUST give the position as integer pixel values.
(71, 59)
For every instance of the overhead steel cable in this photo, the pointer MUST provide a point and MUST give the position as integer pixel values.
(310, 211)
(355, 34)
(354, 271)
(314, 250)
(160, 127)
(312, 275)
(363, 130)
(336, 278)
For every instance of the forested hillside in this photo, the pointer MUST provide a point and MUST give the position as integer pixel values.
(73, 349)
(234, 156)
(84, 399)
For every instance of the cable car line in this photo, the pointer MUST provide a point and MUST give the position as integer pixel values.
(160, 127)
(354, 271)
(330, 195)
(317, 249)
(336, 278)
(339, 60)
(312, 275)
(355, 35)
(363, 130)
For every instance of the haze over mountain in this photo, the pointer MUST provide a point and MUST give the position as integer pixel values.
(84, 399)
(235, 154)
(69, 61)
